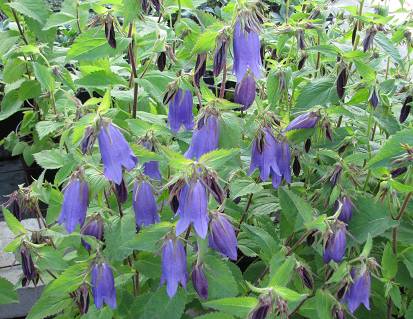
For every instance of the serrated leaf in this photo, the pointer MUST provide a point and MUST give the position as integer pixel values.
(8, 294)
(388, 47)
(282, 275)
(388, 262)
(150, 238)
(58, 19)
(239, 306)
(218, 158)
(44, 128)
(51, 159)
(35, 9)
(14, 225)
(160, 306)
(100, 79)
(320, 91)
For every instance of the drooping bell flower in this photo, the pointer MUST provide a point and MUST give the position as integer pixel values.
(103, 285)
(346, 210)
(335, 247)
(222, 236)
(151, 168)
(300, 39)
(210, 180)
(161, 61)
(246, 48)
(245, 91)
(115, 152)
(82, 298)
(374, 99)
(200, 281)
(341, 82)
(144, 204)
(180, 111)
(404, 112)
(305, 276)
(29, 270)
(262, 309)
(173, 266)
(336, 175)
(121, 191)
(272, 157)
(193, 208)
(205, 137)
(200, 67)
(75, 202)
(93, 227)
(359, 291)
(13, 205)
(368, 40)
(338, 313)
(398, 171)
(306, 120)
(88, 140)
(220, 55)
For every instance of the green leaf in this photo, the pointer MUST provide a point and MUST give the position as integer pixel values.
(8, 294)
(388, 47)
(288, 294)
(388, 262)
(150, 238)
(221, 282)
(365, 71)
(321, 91)
(324, 303)
(219, 158)
(239, 306)
(10, 105)
(44, 76)
(160, 306)
(407, 258)
(58, 19)
(230, 127)
(14, 225)
(215, 315)
(244, 186)
(44, 128)
(392, 148)
(282, 275)
(367, 246)
(371, 213)
(29, 89)
(205, 41)
(51, 159)
(119, 237)
(35, 9)
(100, 79)
(92, 45)
(265, 242)
(409, 311)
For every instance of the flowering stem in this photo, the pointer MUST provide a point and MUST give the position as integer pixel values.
(244, 215)
(398, 217)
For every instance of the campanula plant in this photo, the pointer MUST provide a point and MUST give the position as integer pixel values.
(206, 159)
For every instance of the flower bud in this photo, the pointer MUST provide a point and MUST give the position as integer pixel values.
(82, 298)
(200, 281)
(305, 276)
(404, 112)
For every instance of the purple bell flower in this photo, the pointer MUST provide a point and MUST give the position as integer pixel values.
(359, 291)
(222, 236)
(103, 286)
(306, 120)
(173, 266)
(272, 157)
(115, 151)
(246, 47)
(200, 281)
(346, 210)
(151, 168)
(180, 111)
(144, 204)
(205, 138)
(82, 298)
(245, 91)
(75, 202)
(29, 270)
(93, 227)
(121, 191)
(335, 247)
(193, 208)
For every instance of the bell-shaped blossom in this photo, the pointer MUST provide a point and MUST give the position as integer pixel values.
(151, 168)
(200, 281)
(262, 309)
(75, 202)
(335, 247)
(144, 204)
(359, 291)
(245, 91)
(346, 210)
(29, 270)
(272, 157)
(306, 120)
(173, 266)
(220, 55)
(121, 191)
(193, 208)
(103, 286)
(180, 111)
(115, 151)
(246, 48)
(93, 227)
(374, 99)
(222, 236)
(205, 138)
(82, 298)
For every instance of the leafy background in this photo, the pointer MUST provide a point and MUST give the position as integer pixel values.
(59, 73)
